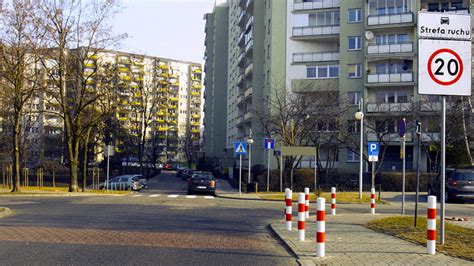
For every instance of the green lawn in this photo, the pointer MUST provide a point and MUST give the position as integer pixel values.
(341, 197)
(459, 241)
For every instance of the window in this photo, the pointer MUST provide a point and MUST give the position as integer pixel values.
(354, 71)
(353, 126)
(353, 97)
(352, 156)
(326, 71)
(391, 97)
(355, 43)
(354, 15)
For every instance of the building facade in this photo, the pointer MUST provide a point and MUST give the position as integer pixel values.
(358, 49)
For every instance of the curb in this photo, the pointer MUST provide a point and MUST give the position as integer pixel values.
(4, 212)
(284, 244)
(68, 194)
(282, 201)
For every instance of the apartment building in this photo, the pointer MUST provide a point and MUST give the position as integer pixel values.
(163, 94)
(358, 49)
(366, 49)
(255, 66)
(215, 81)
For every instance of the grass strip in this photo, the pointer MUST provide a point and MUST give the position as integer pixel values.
(341, 197)
(459, 241)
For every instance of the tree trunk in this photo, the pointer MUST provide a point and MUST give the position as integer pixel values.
(84, 160)
(464, 129)
(16, 159)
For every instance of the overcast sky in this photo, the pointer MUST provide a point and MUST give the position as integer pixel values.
(164, 28)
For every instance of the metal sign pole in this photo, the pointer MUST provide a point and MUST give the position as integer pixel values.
(443, 169)
(268, 170)
(250, 164)
(361, 162)
(373, 174)
(403, 177)
(418, 133)
(107, 184)
(240, 175)
(281, 171)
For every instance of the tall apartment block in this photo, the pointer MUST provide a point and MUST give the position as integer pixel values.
(215, 81)
(169, 90)
(358, 49)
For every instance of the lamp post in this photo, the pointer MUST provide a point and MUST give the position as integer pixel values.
(359, 115)
(250, 142)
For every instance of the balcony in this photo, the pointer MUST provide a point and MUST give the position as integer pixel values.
(241, 39)
(390, 20)
(247, 116)
(390, 48)
(388, 107)
(248, 93)
(309, 32)
(391, 79)
(240, 100)
(241, 19)
(317, 4)
(430, 137)
(249, 46)
(388, 137)
(239, 120)
(249, 23)
(315, 57)
(249, 69)
(240, 61)
(248, 4)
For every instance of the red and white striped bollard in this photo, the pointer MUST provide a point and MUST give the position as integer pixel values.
(301, 215)
(333, 201)
(288, 208)
(306, 195)
(372, 200)
(431, 225)
(321, 227)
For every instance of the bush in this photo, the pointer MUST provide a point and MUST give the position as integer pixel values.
(393, 181)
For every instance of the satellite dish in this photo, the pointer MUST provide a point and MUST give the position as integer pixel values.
(369, 35)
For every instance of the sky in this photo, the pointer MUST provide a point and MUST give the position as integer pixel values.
(164, 28)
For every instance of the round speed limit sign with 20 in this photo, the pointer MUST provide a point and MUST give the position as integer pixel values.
(444, 67)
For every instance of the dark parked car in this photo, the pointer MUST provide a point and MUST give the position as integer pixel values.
(179, 172)
(202, 182)
(124, 182)
(187, 174)
(459, 185)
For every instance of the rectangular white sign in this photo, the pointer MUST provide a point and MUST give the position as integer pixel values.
(446, 26)
(444, 67)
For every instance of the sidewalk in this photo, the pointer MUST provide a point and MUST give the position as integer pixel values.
(349, 242)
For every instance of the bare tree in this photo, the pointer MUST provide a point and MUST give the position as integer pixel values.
(21, 37)
(76, 31)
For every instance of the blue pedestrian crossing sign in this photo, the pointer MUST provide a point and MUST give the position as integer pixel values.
(269, 144)
(373, 151)
(240, 148)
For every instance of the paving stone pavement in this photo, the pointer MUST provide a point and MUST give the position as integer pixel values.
(348, 242)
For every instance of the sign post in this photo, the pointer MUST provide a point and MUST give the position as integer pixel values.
(269, 146)
(373, 151)
(240, 148)
(444, 48)
(402, 129)
(418, 134)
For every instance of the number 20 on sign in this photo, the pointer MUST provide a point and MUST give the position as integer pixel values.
(445, 67)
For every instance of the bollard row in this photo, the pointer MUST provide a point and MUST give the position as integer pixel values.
(431, 226)
(333, 201)
(301, 216)
(288, 208)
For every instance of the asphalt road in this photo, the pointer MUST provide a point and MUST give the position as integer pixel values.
(146, 228)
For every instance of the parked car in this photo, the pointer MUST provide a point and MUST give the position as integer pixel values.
(187, 174)
(179, 172)
(202, 182)
(459, 185)
(167, 166)
(124, 182)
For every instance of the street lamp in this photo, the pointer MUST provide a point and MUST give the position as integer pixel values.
(250, 142)
(359, 115)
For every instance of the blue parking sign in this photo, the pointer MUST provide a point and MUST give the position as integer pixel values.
(373, 151)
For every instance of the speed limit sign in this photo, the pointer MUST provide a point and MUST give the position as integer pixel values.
(444, 67)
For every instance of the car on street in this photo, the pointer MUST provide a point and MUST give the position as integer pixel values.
(167, 166)
(187, 173)
(124, 182)
(179, 172)
(459, 185)
(202, 182)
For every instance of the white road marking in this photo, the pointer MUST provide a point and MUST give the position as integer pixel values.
(154, 195)
(208, 197)
(191, 196)
(173, 196)
(136, 196)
